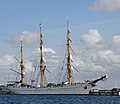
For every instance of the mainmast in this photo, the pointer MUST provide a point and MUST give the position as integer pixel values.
(22, 64)
(42, 67)
(68, 57)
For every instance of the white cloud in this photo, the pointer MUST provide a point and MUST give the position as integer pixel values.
(28, 37)
(92, 37)
(45, 50)
(116, 40)
(49, 56)
(106, 5)
(105, 58)
(6, 62)
(90, 61)
(49, 50)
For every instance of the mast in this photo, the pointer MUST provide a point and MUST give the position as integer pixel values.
(68, 57)
(42, 68)
(22, 64)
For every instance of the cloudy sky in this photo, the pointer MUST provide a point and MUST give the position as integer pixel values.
(95, 35)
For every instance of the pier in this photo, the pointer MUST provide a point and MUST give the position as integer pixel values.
(112, 92)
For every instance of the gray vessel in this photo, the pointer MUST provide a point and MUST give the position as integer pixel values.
(66, 87)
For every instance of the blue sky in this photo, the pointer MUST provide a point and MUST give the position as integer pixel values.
(18, 16)
(102, 16)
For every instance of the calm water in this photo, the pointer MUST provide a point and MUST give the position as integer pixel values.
(58, 99)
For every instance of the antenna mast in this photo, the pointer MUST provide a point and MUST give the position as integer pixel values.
(22, 64)
(42, 68)
(68, 53)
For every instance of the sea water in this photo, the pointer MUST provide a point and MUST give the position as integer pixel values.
(58, 99)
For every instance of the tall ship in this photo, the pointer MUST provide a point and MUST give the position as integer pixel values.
(66, 87)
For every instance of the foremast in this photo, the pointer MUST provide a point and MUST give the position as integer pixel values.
(22, 64)
(69, 79)
(42, 67)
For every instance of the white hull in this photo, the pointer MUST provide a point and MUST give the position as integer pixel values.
(81, 88)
